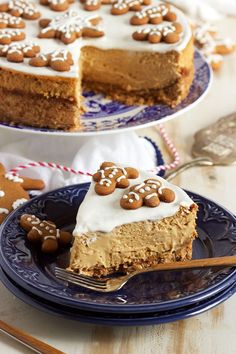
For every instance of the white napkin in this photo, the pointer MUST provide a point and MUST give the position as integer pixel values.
(80, 154)
(207, 10)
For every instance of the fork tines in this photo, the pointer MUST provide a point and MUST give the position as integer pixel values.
(82, 280)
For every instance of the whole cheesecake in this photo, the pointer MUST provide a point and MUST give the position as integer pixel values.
(135, 51)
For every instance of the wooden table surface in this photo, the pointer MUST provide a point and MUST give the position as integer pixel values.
(210, 333)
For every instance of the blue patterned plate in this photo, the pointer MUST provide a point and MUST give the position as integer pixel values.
(145, 293)
(116, 319)
(106, 116)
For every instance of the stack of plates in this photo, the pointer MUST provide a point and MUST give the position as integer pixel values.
(150, 298)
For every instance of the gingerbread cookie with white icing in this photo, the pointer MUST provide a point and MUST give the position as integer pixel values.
(44, 233)
(21, 8)
(149, 193)
(13, 191)
(110, 176)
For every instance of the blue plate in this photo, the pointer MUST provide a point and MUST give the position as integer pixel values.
(115, 319)
(145, 293)
(106, 116)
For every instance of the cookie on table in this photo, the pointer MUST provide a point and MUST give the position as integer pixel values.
(13, 191)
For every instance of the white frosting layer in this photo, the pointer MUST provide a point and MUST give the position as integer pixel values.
(103, 213)
(118, 35)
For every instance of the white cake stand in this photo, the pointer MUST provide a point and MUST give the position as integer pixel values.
(108, 131)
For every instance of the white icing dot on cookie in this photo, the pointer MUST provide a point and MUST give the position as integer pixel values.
(18, 202)
(4, 211)
(2, 193)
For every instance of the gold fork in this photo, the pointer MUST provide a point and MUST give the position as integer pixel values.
(112, 284)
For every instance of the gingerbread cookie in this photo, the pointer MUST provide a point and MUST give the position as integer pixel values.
(16, 52)
(70, 26)
(92, 5)
(110, 176)
(162, 33)
(153, 15)
(21, 8)
(8, 36)
(13, 191)
(121, 7)
(9, 21)
(57, 5)
(148, 193)
(44, 233)
(60, 60)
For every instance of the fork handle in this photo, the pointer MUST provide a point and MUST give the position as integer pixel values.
(200, 161)
(33, 343)
(194, 263)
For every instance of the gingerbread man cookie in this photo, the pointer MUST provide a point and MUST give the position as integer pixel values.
(9, 21)
(16, 52)
(44, 233)
(8, 36)
(148, 193)
(110, 176)
(162, 33)
(153, 15)
(57, 5)
(59, 60)
(70, 26)
(21, 8)
(92, 5)
(13, 191)
(121, 7)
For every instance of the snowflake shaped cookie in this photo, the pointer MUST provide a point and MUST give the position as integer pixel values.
(17, 52)
(13, 191)
(7, 36)
(9, 21)
(121, 7)
(153, 15)
(70, 26)
(59, 60)
(92, 5)
(57, 5)
(163, 33)
(21, 8)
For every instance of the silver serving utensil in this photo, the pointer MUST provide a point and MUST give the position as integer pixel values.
(214, 145)
(106, 285)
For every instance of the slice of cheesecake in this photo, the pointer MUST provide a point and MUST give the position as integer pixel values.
(125, 224)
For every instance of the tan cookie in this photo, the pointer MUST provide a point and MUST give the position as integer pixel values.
(13, 191)
(110, 176)
(148, 193)
(92, 5)
(70, 26)
(60, 60)
(153, 15)
(163, 33)
(17, 52)
(57, 5)
(21, 8)
(9, 21)
(44, 233)
(8, 36)
(121, 7)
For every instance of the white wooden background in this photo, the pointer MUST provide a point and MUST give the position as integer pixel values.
(210, 333)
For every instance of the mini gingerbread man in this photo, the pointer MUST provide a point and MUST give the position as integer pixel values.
(148, 193)
(13, 191)
(153, 15)
(44, 233)
(110, 176)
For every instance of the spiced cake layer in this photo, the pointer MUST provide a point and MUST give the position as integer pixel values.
(123, 68)
(112, 233)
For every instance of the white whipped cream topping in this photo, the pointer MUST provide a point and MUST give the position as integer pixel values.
(118, 35)
(104, 213)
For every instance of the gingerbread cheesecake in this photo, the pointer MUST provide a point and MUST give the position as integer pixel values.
(135, 51)
(131, 220)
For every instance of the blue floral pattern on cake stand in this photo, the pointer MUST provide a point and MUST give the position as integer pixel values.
(107, 116)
